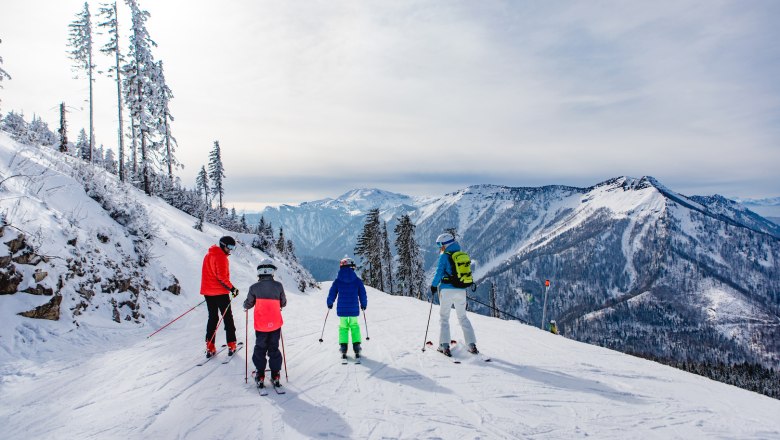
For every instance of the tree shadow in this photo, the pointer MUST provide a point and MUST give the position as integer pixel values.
(404, 376)
(566, 381)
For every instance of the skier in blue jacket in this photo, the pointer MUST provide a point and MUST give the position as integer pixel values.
(351, 295)
(450, 296)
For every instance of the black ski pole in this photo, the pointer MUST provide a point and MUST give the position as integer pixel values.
(366, 322)
(429, 321)
(498, 310)
(284, 356)
(323, 325)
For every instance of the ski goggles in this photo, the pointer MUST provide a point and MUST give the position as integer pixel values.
(230, 246)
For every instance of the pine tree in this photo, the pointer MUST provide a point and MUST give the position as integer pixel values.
(243, 223)
(202, 184)
(140, 89)
(110, 22)
(410, 275)
(387, 262)
(369, 248)
(63, 130)
(82, 145)
(109, 163)
(280, 242)
(3, 73)
(217, 174)
(164, 118)
(80, 40)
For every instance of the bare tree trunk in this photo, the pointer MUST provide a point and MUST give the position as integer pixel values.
(91, 112)
(168, 149)
(63, 130)
(119, 105)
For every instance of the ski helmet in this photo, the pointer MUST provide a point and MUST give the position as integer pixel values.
(227, 242)
(347, 262)
(444, 239)
(266, 267)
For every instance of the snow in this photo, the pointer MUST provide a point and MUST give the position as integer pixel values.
(103, 379)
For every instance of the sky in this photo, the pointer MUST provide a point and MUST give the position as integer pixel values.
(311, 99)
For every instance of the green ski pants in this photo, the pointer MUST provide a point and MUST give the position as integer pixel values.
(347, 325)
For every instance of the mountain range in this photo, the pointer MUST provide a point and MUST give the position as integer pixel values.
(633, 265)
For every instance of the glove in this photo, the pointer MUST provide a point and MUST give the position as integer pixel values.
(234, 292)
(433, 290)
(363, 308)
(330, 306)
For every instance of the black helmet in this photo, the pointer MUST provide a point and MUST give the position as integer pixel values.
(227, 242)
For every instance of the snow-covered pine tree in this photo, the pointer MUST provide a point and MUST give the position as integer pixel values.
(164, 118)
(38, 133)
(82, 145)
(281, 244)
(63, 131)
(217, 174)
(140, 88)
(80, 40)
(369, 249)
(387, 262)
(3, 73)
(202, 184)
(290, 249)
(15, 125)
(109, 162)
(410, 276)
(109, 15)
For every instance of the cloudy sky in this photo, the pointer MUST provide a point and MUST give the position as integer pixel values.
(310, 99)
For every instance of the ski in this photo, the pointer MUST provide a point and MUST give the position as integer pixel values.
(358, 359)
(278, 388)
(224, 347)
(262, 390)
(238, 348)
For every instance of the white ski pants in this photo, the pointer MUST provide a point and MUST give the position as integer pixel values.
(447, 299)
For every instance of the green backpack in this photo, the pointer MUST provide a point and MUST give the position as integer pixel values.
(461, 262)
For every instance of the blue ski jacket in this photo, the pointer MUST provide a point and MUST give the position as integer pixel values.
(444, 268)
(350, 291)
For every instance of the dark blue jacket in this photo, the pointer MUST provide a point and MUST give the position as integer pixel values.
(350, 291)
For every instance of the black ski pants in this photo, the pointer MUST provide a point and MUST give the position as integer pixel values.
(218, 304)
(267, 343)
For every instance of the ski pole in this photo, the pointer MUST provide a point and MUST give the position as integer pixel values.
(429, 321)
(246, 341)
(323, 325)
(544, 308)
(366, 322)
(284, 356)
(166, 325)
(498, 310)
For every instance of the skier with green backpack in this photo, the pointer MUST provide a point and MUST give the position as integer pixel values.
(453, 276)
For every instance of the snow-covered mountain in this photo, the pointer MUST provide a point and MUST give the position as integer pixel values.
(634, 265)
(89, 375)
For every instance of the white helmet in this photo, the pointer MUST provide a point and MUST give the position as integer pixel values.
(346, 261)
(444, 239)
(266, 267)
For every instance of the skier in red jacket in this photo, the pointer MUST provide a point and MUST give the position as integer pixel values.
(215, 285)
(267, 297)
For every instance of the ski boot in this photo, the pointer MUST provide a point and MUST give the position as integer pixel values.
(275, 376)
(473, 349)
(211, 349)
(356, 348)
(231, 348)
(445, 350)
(260, 380)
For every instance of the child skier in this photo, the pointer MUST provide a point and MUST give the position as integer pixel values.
(267, 297)
(351, 293)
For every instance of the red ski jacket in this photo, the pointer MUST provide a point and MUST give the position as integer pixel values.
(267, 297)
(215, 276)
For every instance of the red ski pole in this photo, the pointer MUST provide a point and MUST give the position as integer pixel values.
(284, 356)
(177, 318)
(227, 309)
(246, 341)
